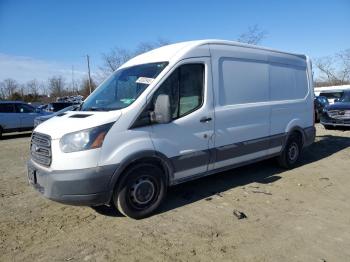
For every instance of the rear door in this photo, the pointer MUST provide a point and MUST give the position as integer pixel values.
(187, 139)
(8, 116)
(26, 115)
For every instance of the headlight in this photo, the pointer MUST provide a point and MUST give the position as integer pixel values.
(85, 139)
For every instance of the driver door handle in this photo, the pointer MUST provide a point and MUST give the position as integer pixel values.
(205, 119)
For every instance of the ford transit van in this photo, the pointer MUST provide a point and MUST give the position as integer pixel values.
(176, 113)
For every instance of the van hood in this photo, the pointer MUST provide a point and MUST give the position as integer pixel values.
(73, 121)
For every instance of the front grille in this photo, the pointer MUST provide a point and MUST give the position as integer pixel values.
(40, 149)
(339, 114)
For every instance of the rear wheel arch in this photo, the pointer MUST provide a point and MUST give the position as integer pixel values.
(298, 131)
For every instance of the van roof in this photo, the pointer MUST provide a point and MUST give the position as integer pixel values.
(183, 49)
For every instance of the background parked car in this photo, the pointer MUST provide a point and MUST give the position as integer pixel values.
(337, 114)
(17, 116)
(319, 103)
(71, 99)
(332, 95)
(38, 120)
(57, 106)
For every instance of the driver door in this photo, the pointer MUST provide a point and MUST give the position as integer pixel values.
(26, 115)
(187, 138)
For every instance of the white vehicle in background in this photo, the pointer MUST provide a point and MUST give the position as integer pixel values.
(176, 113)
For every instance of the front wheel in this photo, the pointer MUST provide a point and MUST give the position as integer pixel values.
(291, 152)
(140, 191)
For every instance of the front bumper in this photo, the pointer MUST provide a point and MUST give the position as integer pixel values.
(90, 186)
(328, 121)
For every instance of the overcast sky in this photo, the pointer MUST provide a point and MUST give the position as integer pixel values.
(39, 39)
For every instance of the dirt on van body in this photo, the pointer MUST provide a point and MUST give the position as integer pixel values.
(255, 213)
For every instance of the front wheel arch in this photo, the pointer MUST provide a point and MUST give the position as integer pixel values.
(148, 156)
(295, 131)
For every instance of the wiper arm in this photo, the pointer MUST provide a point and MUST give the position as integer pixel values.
(93, 108)
(80, 106)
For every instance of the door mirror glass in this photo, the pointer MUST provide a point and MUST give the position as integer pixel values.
(161, 113)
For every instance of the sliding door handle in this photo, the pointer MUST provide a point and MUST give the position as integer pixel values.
(205, 119)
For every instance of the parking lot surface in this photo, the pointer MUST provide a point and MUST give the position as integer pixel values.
(296, 215)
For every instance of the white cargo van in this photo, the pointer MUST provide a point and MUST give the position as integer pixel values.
(173, 114)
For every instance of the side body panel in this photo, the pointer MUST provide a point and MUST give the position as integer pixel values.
(293, 109)
(27, 119)
(260, 96)
(242, 112)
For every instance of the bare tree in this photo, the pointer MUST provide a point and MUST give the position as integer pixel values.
(333, 70)
(115, 58)
(344, 58)
(10, 86)
(118, 56)
(84, 89)
(253, 36)
(56, 86)
(2, 91)
(33, 87)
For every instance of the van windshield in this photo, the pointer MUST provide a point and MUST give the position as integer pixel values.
(123, 87)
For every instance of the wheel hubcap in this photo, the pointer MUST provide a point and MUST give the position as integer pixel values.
(293, 152)
(142, 191)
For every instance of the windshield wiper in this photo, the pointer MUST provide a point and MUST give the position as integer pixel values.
(93, 108)
(80, 107)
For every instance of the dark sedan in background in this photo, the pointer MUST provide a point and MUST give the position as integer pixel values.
(337, 114)
(40, 119)
(57, 106)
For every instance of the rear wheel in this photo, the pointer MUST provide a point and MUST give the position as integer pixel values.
(291, 152)
(317, 117)
(0, 132)
(140, 191)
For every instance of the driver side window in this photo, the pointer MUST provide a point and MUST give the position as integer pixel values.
(22, 108)
(184, 88)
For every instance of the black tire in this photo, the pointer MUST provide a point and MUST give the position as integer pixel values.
(317, 117)
(291, 152)
(0, 132)
(141, 191)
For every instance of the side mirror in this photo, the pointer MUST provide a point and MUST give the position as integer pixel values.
(161, 113)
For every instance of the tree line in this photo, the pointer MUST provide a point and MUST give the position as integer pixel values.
(43, 91)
